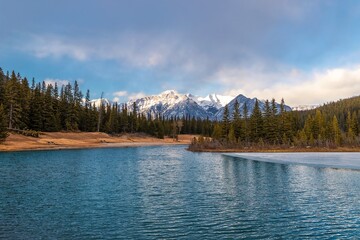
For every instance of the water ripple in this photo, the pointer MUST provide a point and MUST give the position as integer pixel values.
(169, 193)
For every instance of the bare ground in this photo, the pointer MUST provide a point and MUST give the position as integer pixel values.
(70, 140)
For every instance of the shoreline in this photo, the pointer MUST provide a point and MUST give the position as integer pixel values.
(280, 150)
(58, 141)
(119, 145)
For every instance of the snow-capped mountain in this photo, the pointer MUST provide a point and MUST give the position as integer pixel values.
(170, 103)
(250, 103)
(98, 101)
(212, 102)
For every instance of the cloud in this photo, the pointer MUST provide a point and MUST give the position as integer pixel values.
(133, 49)
(52, 81)
(137, 95)
(43, 47)
(120, 93)
(222, 47)
(300, 88)
(128, 96)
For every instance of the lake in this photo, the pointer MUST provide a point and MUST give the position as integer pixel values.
(167, 192)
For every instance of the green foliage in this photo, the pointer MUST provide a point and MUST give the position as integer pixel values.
(40, 107)
(225, 123)
(256, 124)
(332, 125)
(3, 124)
(217, 133)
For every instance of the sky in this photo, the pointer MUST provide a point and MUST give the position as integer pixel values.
(305, 51)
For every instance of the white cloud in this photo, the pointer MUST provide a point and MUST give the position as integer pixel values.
(134, 49)
(43, 47)
(122, 96)
(136, 95)
(120, 93)
(52, 81)
(296, 87)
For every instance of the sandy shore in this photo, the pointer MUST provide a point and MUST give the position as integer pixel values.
(63, 140)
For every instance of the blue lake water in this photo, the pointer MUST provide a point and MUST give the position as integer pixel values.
(169, 193)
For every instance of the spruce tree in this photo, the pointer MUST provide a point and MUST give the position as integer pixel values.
(2, 86)
(237, 123)
(48, 113)
(226, 123)
(268, 123)
(12, 89)
(217, 132)
(336, 131)
(36, 106)
(246, 123)
(273, 130)
(256, 123)
(3, 124)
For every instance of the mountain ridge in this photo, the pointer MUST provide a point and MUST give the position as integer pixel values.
(171, 104)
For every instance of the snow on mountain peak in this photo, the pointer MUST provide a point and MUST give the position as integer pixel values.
(174, 92)
(170, 103)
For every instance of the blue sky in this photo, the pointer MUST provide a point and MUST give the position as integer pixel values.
(305, 51)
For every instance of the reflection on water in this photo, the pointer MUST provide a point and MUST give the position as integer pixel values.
(167, 192)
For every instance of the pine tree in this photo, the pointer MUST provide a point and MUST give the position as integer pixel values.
(226, 123)
(12, 99)
(336, 131)
(36, 106)
(2, 86)
(273, 125)
(237, 123)
(48, 113)
(133, 119)
(355, 124)
(256, 124)
(112, 125)
(246, 123)
(268, 122)
(231, 136)
(3, 124)
(349, 130)
(160, 130)
(217, 132)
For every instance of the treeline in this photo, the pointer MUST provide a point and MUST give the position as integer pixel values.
(31, 108)
(332, 125)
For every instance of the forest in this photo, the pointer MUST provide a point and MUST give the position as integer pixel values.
(39, 107)
(31, 108)
(332, 125)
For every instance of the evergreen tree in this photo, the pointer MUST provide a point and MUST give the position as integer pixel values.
(237, 123)
(217, 132)
(246, 123)
(3, 124)
(268, 122)
(36, 106)
(24, 101)
(12, 100)
(256, 124)
(273, 124)
(48, 113)
(226, 123)
(112, 124)
(231, 136)
(2, 86)
(336, 131)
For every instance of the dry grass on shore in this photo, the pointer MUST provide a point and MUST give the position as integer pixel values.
(71, 140)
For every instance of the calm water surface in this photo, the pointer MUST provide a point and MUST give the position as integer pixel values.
(169, 193)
